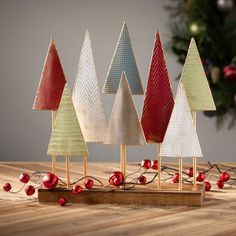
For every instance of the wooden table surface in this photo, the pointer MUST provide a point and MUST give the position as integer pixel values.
(21, 215)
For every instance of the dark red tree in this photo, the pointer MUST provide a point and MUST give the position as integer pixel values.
(158, 102)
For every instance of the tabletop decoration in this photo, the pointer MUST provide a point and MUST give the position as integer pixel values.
(158, 101)
(196, 86)
(124, 127)
(181, 139)
(50, 86)
(216, 175)
(86, 96)
(66, 138)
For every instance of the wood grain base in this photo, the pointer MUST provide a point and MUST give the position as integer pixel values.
(138, 196)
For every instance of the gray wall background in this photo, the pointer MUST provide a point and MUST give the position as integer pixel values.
(26, 27)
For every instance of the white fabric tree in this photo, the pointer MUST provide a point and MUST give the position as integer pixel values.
(181, 139)
(87, 98)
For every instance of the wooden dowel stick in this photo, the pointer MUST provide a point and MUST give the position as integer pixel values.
(194, 173)
(123, 159)
(53, 164)
(159, 166)
(180, 173)
(68, 171)
(194, 158)
(53, 157)
(85, 159)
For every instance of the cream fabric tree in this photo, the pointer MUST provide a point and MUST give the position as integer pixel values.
(124, 127)
(87, 98)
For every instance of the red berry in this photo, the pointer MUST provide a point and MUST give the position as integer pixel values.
(88, 183)
(29, 190)
(116, 178)
(6, 187)
(76, 189)
(62, 201)
(154, 164)
(24, 178)
(117, 182)
(50, 180)
(200, 177)
(175, 178)
(190, 172)
(220, 183)
(224, 176)
(146, 164)
(207, 185)
(142, 180)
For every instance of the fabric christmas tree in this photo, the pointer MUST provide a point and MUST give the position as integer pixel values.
(124, 126)
(52, 82)
(181, 139)
(158, 102)
(86, 96)
(123, 60)
(67, 138)
(195, 81)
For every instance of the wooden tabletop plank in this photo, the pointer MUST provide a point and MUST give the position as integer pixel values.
(21, 215)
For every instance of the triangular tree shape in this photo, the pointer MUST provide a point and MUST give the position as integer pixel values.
(124, 126)
(195, 81)
(123, 60)
(87, 98)
(52, 82)
(67, 138)
(158, 102)
(181, 139)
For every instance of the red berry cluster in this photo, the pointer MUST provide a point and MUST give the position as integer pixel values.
(224, 177)
(24, 178)
(76, 190)
(147, 164)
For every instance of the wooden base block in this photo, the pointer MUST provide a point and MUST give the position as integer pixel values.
(137, 196)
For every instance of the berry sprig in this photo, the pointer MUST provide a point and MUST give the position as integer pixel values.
(119, 181)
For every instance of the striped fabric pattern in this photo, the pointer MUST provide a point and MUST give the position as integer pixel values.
(67, 138)
(195, 81)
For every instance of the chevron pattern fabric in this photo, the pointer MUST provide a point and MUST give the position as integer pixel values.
(181, 139)
(67, 138)
(123, 60)
(87, 98)
(195, 81)
(158, 101)
(124, 126)
(52, 82)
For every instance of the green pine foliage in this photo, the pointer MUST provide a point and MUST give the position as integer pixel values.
(215, 35)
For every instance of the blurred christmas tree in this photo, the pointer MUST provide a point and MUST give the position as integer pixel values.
(213, 25)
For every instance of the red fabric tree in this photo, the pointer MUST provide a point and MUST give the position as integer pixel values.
(52, 82)
(158, 102)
